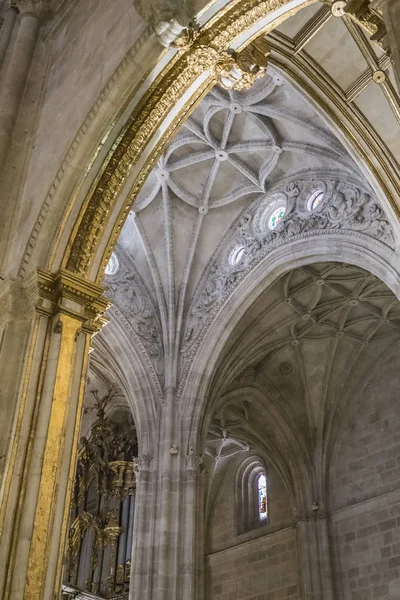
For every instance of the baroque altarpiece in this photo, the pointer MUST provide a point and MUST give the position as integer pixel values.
(98, 558)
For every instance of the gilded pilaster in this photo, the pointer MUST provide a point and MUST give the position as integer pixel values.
(39, 475)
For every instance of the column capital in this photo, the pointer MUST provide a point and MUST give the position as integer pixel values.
(40, 9)
(70, 294)
(17, 299)
(142, 463)
(193, 462)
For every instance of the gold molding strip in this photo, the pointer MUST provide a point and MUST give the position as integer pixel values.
(312, 27)
(52, 460)
(68, 496)
(366, 78)
(392, 97)
(372, 60)
(361, 41)
(305, 64)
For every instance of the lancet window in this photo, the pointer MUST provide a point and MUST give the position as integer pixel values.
(251, 494)
(262, 497)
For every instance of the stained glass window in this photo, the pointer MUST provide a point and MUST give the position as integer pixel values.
(276, 217)
(112, 265)
(262, 497)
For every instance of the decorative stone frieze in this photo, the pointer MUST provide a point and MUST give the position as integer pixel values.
(132, 299)
(344, 208)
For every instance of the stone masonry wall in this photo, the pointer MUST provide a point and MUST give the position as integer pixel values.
(365, 493)
(85, 53)
(367, 538)
(262, 569)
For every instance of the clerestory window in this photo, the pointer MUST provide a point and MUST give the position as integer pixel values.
(262, 497)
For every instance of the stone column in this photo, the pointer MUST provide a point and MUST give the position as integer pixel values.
(34, 504)
(142, 567)
(6, 31)
(192, 529)
(315, 555)
(32, 13)
(391, 14)
(169, 490)
(164, 537)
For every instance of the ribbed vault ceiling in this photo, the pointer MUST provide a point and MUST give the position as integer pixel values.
(299, 357)
(205, 216)
(313, 337)
(202, 224)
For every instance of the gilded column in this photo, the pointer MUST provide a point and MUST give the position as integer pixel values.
(32, 13)
(40, 471)
(6, 31)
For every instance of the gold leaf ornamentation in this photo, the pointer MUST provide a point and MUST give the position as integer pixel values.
(209, 51)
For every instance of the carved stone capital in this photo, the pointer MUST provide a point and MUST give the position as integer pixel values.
(233, 70)
(245, 67)
(193, 461)
(142, 463)
(367, 13)
(40, 9)
(311, 516)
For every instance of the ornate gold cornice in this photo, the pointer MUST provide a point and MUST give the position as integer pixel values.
(209, 51)
(70, 294)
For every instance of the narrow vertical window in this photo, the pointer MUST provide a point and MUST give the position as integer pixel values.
(262, 497)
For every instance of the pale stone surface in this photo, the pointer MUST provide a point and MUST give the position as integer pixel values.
(227, 337)
(365, 483)
(262, 569)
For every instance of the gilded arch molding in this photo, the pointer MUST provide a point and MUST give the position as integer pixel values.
(184, 81)
(193, 70)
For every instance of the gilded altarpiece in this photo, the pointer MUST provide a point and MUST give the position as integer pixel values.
(98, 558)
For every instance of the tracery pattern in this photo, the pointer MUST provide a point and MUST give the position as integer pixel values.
(212, 139)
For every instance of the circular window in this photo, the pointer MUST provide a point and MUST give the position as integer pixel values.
(276, 217)
(112, 265)
(315, 199)
(236, 255)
